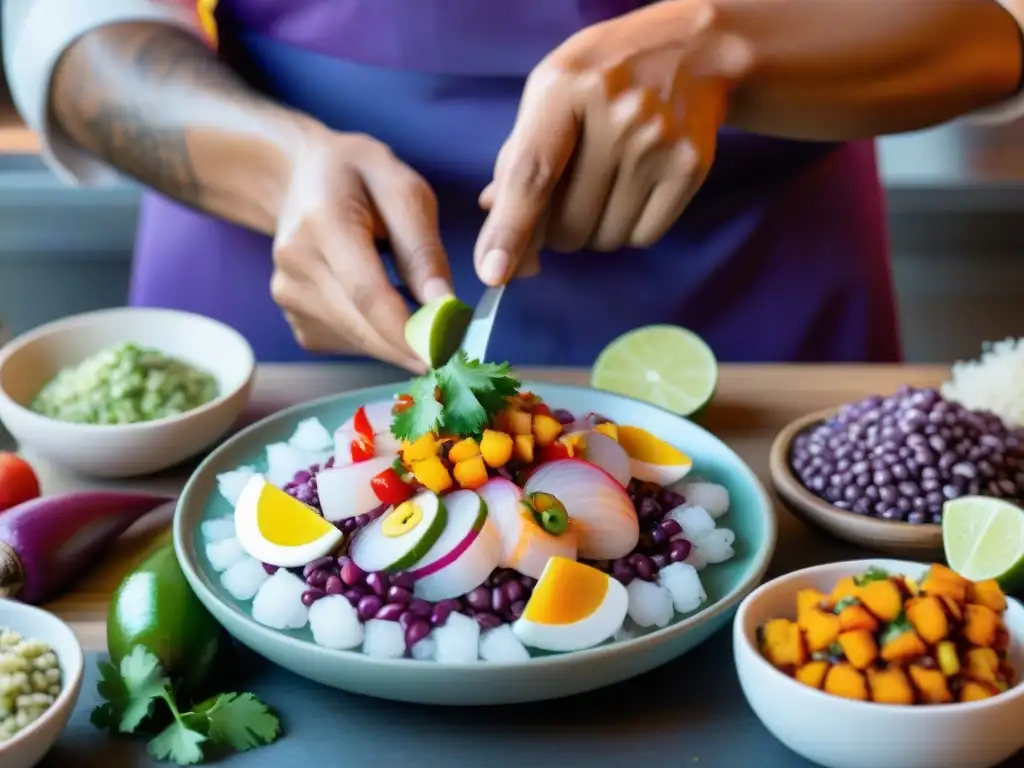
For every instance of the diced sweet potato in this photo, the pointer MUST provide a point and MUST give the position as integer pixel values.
(859, 647)
(901, 647)
(890, 686)
(975, 691)
(857, 617)
(882, 598)
(496, 448)
(520, 423)
(928, 618)
(843, 680)
(987, 593)
(812, 673)
(609, 429)
(546, 429)
(433, 474)
(845, 587)
(523, 448)
(783, 644)
(941, 580)
(808, 600)
(981, 625)
(462, 450)
(930, 684)
(954, 610)
(470, 473)
(983, 665)
(948, 658)
(821, 629)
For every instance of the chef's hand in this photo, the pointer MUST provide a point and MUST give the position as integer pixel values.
(346, 191)
(615, 134)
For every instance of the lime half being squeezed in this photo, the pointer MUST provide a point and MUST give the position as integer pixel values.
(983, 539)
(436, 329)
(664, 365)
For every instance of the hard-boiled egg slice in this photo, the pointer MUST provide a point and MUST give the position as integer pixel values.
(279, 530)
(573, 606)
(651, 459)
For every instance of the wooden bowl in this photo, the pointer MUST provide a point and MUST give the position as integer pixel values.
(915, 542)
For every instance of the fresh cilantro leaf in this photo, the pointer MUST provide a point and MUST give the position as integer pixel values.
(463, 414)
(178, 744)
(845, 603)
(144, 682)
(895, 628)
(874, 573)
(472, 392)
(424, 415)
(112, 690)
(241, 721)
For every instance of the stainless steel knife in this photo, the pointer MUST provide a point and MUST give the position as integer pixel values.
(478, 335)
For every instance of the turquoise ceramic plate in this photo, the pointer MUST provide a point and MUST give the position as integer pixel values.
(751, 517)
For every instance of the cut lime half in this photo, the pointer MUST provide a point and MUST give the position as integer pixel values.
(435, 330)
(663, 365)
(984, 539)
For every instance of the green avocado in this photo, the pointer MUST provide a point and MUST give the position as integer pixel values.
(155, 607)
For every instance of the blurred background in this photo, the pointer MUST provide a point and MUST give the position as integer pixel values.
(956, 218)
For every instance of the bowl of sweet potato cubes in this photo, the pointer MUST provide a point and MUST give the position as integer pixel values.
(884, 663)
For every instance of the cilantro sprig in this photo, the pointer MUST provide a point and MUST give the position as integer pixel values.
(130, 693)
(459, 398)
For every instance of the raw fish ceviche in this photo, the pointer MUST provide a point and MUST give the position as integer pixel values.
(467, 520)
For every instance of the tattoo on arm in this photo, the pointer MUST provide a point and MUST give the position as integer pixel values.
(129, 92)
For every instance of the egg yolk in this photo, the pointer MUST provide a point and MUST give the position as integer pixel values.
(643, 446)
(567, 592)
(286, 521)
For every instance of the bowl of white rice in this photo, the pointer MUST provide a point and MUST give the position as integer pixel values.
(41, 668)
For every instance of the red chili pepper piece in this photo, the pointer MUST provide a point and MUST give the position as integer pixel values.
(362, 447)
(390, 488)
(402, 404)
(361, 425)
(555, 451)
(362, 450)
(540, 409)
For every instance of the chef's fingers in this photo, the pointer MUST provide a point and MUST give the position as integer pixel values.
(531, 164)
(684, 174)
(408, 208)
(486, 199)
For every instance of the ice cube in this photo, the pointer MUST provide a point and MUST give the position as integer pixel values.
(716, 546)
(224, 553)
(424, 650)
(383, 639)
(627, 631)
(649, 604)
(218, 528)
(243, 578)
(713, 497)
(311, 436)
(284, 461)
(334, 623)
(683, 584)
(278, 602)
(458, 640)
(695, 521)
(502, 646)
(230, 484)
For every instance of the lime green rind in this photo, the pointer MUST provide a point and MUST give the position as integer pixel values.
(983, 538)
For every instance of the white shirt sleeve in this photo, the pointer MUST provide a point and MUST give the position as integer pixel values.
(36, 33)
(1012, 108)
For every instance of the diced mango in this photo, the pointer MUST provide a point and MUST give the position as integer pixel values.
(470, 473)
(974, 691)
(546, 429)
(845, 587)
(983, 665)
(821, 629)
(903, 647)
(424, 447)
(520, 422)
(496, 448)
(940, 580)
(462, 450)
(954, 610)
(948, 658)
(843, 680)
(930, 684)
(987, 593)
(882, 598)
(782, 644)
(857, 617)
(523, 448)
(890, 686)
(859, 647)
(808, 600)
(928, 617)
(981, 625)
(812, 673)
(609, 429)
(433, 474)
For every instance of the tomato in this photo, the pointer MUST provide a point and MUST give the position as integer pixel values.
(555, 451)
(540, 409)
(402, 404)
(390, 488)
(361, 450)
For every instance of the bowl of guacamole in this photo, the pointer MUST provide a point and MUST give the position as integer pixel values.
(124, 392)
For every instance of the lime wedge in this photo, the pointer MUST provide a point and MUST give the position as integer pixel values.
(435, 330)
(984, 539)
(664, 365)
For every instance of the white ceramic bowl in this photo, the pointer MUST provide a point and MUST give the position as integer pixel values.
(28, 747)
(840, 733)
(128, 450)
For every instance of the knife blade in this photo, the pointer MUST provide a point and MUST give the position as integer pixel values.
(478, 335)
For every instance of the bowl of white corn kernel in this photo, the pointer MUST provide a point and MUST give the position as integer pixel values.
(41, 669)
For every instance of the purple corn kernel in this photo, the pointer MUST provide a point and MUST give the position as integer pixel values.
(407, 619)
(378, 582)
(564, 417)
(404, 580)
(517, 608)
(499, 600)
(353, 596)
(361, 520)
(390, 612)
(451, 603)
(317, 579)
(334, 585)
(352, 574)
(329, 463)
(416, 632)
(419, 607)
(348, 525)
(488, 620)
(400, 595)
(440, 615)
(302, 477)
(659, 535)
(670, 527)
(514, 590)
(623, 571)
(368, 607)
(310, 596)
(269, 569)
(648, 509)
(644, 567)
(679, 550)
(479, 599)
(660, 560)
(528, 582)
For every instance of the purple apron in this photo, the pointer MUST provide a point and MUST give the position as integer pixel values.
(782, 256)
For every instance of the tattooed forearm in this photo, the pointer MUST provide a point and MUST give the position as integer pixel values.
(157, 104)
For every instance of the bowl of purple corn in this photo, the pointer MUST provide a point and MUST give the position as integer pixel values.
(879, 471)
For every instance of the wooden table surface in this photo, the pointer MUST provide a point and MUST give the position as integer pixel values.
(751, 405)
